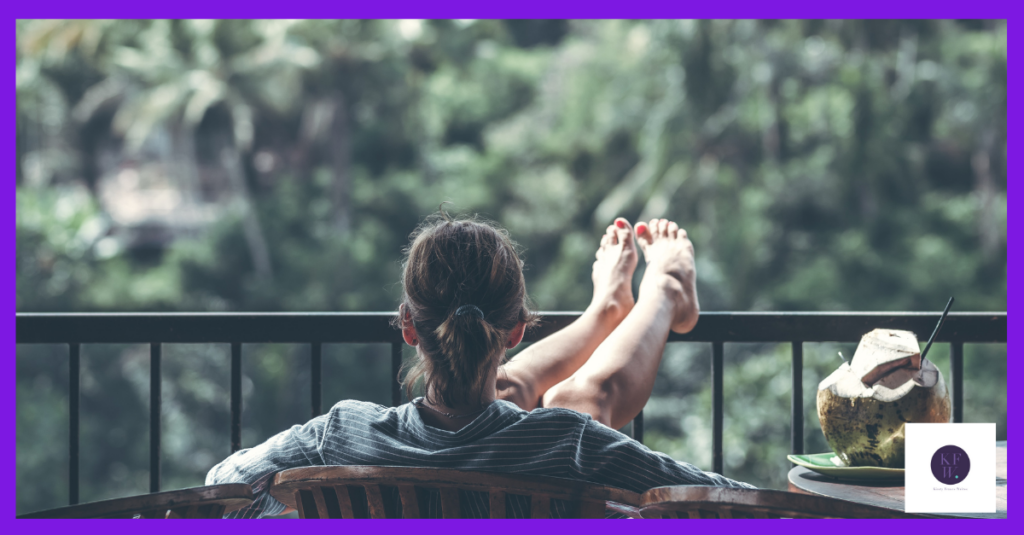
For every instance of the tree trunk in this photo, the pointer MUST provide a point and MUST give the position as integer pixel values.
(231, 160)
(981, 164)
(340, 144)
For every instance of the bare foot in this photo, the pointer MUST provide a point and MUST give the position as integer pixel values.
(670, 269)
(613, 272)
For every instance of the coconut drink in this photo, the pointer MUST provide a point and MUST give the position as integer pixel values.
(865, 405)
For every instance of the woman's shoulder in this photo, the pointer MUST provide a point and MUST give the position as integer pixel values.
(556, 414)
(353, 412)
(357, 406)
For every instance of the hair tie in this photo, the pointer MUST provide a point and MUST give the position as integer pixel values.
(470, 309)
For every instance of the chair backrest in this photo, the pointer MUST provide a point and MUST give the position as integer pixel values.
(196, 502)
(719, 502)
(405, 492)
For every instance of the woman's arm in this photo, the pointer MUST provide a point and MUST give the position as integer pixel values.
(608, 457)
(527, 377)
(294, 448)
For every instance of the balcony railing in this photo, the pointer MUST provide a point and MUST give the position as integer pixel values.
(316, 329)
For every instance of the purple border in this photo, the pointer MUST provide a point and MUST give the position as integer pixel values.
(470, 9)
(597, 9)
(8, 296)
(1014, 291)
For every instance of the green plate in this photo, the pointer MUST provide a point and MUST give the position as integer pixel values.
(822, 463)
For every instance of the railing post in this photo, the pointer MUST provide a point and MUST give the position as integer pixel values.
(154, 417)
(396, 365)
(74, 380)
(638, 427)
(236, 396)
(956, 379)
(717, 361)
(316, 382)
(796, 401)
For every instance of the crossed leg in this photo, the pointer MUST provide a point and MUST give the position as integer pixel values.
(609, 373)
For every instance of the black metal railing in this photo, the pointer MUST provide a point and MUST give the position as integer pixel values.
(317, 329)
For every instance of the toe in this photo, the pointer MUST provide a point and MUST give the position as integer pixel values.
(642, 229)
(613, 238)
(685, 238)
(673, 228)
(662, 228)
(624, 232)
(643, 235)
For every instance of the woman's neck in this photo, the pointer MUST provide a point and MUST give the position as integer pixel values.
(434, 400)
(456, 416)
(433, 415)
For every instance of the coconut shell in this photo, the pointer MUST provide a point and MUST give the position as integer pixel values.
(865, 425)
(883, 350)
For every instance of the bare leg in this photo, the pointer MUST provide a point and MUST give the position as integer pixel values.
(615, 383)
(528, 376)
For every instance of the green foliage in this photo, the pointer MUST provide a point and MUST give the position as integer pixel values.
(817, 165)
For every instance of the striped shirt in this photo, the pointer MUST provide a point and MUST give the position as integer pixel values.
(504, 438)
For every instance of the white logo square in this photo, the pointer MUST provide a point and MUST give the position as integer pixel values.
(950, 468)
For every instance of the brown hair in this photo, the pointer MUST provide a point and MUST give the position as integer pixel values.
(451, 264)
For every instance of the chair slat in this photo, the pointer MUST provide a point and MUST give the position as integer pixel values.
(450, 503)
(298, 504)
(344, 501)
(321, 504)
(410, 504)
(497, 499)
(540, 506)
(193, 512)
(375, 501)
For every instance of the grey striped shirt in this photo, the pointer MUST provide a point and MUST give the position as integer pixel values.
(504, 438)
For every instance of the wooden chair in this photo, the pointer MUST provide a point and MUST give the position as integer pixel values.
(719, 502)
(196, 502)
(403, 492)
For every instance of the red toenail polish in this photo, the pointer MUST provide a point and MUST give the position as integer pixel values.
(620, 224)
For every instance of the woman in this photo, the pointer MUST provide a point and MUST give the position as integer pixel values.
(552, 410)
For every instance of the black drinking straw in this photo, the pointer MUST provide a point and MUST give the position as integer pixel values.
(942, 319)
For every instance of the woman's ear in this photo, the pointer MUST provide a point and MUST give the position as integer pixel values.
(408, 331)
(516, 335)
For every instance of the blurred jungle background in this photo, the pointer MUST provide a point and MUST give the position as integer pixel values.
(280, 166)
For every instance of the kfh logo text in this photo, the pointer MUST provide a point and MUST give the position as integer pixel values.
(950, 465)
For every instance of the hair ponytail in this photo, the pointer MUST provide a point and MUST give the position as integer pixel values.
(467, 345)
(464, 293)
